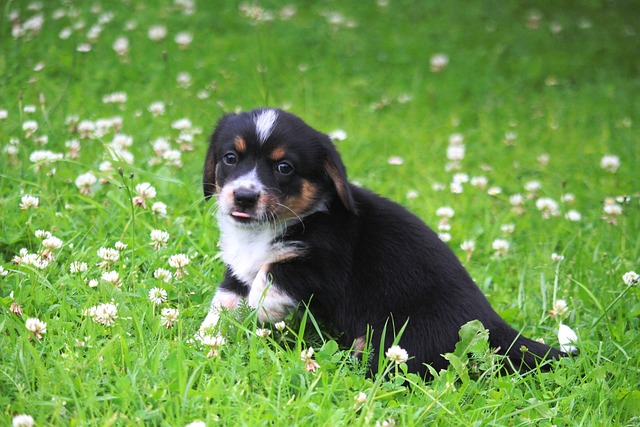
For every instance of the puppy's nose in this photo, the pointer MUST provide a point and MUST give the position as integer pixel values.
(245, 197)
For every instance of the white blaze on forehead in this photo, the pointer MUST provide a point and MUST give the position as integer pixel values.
(265, 120)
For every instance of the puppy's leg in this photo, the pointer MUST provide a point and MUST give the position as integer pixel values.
(223, 299)
(272, 303)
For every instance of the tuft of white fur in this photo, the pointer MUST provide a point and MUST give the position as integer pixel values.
(265, 120)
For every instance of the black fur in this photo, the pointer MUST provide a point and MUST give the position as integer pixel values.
(367, 260)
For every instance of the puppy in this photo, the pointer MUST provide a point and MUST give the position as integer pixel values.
(294, 230)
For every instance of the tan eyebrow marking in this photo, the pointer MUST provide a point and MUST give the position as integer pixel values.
(277, 154)
(240, 144)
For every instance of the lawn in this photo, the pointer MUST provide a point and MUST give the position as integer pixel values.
(510, 127)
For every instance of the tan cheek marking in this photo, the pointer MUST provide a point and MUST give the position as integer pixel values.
(277, 154)
(240, 144)
(304, 200)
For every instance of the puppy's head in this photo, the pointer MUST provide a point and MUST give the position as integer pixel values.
(267, 165)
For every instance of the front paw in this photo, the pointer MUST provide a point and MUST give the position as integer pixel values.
(272, 303)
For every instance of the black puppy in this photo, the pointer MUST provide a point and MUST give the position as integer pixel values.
(293, 229)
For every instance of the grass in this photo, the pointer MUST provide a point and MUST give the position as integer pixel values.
(567, 93)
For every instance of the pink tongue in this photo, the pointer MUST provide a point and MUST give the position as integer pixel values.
(240, 214)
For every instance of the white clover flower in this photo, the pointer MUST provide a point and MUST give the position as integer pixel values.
(42, 234)
(460, 178)
(105, 314)
(395, 160)
(29, 127)
(78, 267)
(182, 125)
(157, 33)
(183, 39)
(85, 181)
(567, 198)
(52, 243)
(445, 212)
(532, 186)
(33, 260)
(456, 139)
(160, 146)
(455, 187)
(567, 339)
(210, 340)
(573, 215)
(115, 98)
(196, 423)
(84, 47)
(280, 326)
(556, 257)
(455, 152)
(479, 182)
(445, 237)
(119, 246)
(610, 163)
(29, 202)
(29, 109)
(360, 398)
(93, 283)
(108, 255)
(3, 272)
(397, 354)
(162, 274)
(173, 158)
(36, 327)
(183, 79)
(159, 239)
(112, 277)
(263, 333)
(500, 246)
(631, 278)
(548, 207)
(23, 420)
(157, 108)
(412, 194)
(468, 246)
(169, 316)
(438, 62)
(516, 200)
(179, 262)
(3, 114)
(560, 308)
(508, 228)
(543, 159)
(510, 138)
(144, 192)
(86, 129)
(338, 135)
(443, 225)
(44, 157)
(306, 356)
(494, 191)
(159, 209)
(157, 295)
(121, 46)
(65, 33)
(612, 209)
(105, 167)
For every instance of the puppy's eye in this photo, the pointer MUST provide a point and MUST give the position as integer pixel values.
(284, 168)
(230, 159)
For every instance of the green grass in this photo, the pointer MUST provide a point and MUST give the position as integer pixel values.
(570, 95)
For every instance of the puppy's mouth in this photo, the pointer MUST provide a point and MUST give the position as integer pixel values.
(243, 217)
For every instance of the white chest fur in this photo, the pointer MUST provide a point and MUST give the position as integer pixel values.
(246, 250)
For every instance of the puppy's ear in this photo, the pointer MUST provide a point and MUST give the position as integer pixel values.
(337, 173)
(209, 184)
